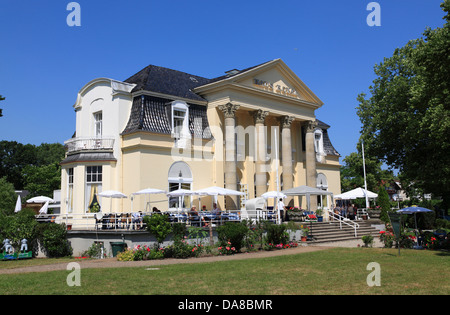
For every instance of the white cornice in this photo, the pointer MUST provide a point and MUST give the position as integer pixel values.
(117, 87)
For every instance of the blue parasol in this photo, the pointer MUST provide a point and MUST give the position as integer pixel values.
(414, 210)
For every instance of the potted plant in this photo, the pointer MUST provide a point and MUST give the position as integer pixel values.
(319, 216)
(305, 231)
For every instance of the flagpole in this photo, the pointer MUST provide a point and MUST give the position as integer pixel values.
(365, 181)
(277, 180)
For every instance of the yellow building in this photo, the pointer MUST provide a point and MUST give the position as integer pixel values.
(166, 129)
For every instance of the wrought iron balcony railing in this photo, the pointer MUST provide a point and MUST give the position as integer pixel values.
(89, 144)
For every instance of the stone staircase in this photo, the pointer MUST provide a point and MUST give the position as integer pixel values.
(330, 231)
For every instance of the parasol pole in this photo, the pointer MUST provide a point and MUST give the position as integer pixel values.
(365, 181)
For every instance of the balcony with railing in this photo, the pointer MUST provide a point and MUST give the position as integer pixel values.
(89, 144)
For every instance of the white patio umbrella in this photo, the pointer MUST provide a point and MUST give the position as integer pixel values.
(217, 191)
(111, 194)
(276, 195)
(273, 194)
(18, 204)
(40, 199)
(147, 191)
(356, 193)
(44, 208)
(180, 193)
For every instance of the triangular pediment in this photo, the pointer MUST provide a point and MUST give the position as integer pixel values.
(273, 77)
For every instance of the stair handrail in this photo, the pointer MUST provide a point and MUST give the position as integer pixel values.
(341, 220)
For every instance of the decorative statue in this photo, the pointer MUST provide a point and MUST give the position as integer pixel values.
(7, 245)
(24, 245)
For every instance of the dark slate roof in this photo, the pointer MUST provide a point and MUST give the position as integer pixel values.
(327, 145)
(175, 83)
(149, 113)
(167, 81)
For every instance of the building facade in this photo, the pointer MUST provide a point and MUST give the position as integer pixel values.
(251, 130)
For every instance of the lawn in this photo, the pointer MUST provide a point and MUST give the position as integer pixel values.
(334, 271)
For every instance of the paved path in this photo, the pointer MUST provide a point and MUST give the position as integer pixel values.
(114, 263)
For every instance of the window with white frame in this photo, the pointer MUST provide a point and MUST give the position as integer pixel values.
(318, 145)
(180, 122)
(98, 124)
(70, 190)
(94, 178)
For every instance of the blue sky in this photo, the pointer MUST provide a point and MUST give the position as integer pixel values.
(328, 44)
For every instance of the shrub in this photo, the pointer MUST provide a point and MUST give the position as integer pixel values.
(53, 238)
(233, 232)
(276, 234)
(18, 226)
(182, 249)
(159, 226)
(179, 231)
(255, 234)
(387, 237)
(226, 249)
(95, 251)
(368, 240)
(127, 255)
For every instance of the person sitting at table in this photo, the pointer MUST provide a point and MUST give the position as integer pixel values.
(194, 217)
(156, 210)
(204, 208)
(216, 212)
(136, 219)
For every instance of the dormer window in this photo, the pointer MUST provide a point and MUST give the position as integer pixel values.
(180, 122)
(318, 145)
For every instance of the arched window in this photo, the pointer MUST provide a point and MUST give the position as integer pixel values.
(322, 183)
(179, 177)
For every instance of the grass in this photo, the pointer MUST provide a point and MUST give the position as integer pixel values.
(334, 271)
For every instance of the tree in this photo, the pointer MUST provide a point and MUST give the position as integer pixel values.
(17, 158)
(42, 180)
(8, 197)
(406, 121)
(352, 172)
(14, 157)
(384, 203)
